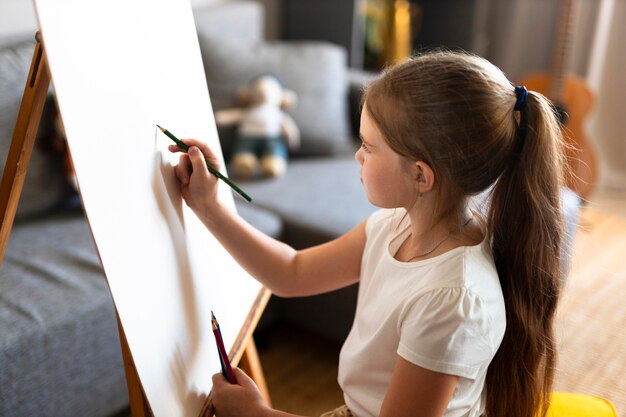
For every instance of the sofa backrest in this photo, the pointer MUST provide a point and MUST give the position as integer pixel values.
(243, 20)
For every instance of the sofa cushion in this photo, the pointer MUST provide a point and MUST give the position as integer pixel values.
(263, 220)
(319, 199)
(45, 185)
(59, 351)
(316, 71)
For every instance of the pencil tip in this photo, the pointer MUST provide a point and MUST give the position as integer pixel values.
(213, 321)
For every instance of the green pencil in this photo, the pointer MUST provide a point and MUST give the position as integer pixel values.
(212, 169)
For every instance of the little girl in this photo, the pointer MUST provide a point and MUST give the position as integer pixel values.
(455, 307)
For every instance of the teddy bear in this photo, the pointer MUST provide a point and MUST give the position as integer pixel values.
(265, 131)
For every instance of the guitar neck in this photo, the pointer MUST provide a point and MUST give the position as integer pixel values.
(562, 48)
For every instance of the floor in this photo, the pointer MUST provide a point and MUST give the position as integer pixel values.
(301, 369)
(591, 316)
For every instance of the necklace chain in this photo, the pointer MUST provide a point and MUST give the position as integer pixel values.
(428, 252)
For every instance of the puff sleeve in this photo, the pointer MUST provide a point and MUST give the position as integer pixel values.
(448, 330)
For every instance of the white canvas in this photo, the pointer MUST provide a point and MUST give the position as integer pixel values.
(118, 68)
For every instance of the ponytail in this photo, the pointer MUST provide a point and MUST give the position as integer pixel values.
(526, 229)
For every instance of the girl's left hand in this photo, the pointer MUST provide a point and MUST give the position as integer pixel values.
(242, 399)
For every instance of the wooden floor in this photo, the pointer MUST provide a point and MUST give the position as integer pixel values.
(591, 321)
(301, 370)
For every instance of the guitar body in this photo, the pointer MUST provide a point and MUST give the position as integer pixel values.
(577, 99)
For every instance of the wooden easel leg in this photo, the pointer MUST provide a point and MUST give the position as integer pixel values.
(23, 141)
(139, 406)
(251, 364)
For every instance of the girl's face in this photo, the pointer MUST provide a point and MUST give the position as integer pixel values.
(385, 175)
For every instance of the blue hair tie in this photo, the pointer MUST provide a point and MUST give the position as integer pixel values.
(522, 94)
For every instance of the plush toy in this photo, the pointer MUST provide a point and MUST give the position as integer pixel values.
(264, 131)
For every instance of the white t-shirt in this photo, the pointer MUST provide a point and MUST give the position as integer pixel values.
(445, 314)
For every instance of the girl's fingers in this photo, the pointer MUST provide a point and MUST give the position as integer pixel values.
(198, 162)
(204, 148)
(219, 380)
(206, 151)
(242, 378)
(183, 169)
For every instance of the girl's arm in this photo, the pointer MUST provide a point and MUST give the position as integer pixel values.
(282, 269)
(416, 391)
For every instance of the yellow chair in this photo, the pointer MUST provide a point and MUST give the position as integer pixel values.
(565, 404)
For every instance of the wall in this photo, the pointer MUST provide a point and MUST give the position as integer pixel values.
(273, 18)
(607, 123)
(519, 35)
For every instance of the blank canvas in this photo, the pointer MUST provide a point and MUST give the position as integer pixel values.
(118, 68)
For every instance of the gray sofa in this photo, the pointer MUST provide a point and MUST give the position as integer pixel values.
(59, 346)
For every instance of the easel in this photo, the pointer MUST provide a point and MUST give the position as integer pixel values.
(243, 351)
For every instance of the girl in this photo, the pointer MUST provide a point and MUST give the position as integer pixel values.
(455, 309)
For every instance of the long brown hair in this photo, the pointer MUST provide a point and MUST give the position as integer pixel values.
(455, 111)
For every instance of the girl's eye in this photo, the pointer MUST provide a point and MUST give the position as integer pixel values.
(364, 146)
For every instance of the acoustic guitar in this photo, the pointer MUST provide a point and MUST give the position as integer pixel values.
(573, 100)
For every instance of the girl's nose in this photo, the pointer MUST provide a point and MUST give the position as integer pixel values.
(358, 156)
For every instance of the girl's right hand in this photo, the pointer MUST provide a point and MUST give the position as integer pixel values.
(241, 399)
(197, 185)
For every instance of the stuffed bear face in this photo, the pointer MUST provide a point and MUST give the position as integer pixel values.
(267, 90)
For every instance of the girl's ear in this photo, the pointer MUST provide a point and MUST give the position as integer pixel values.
(424, 177)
